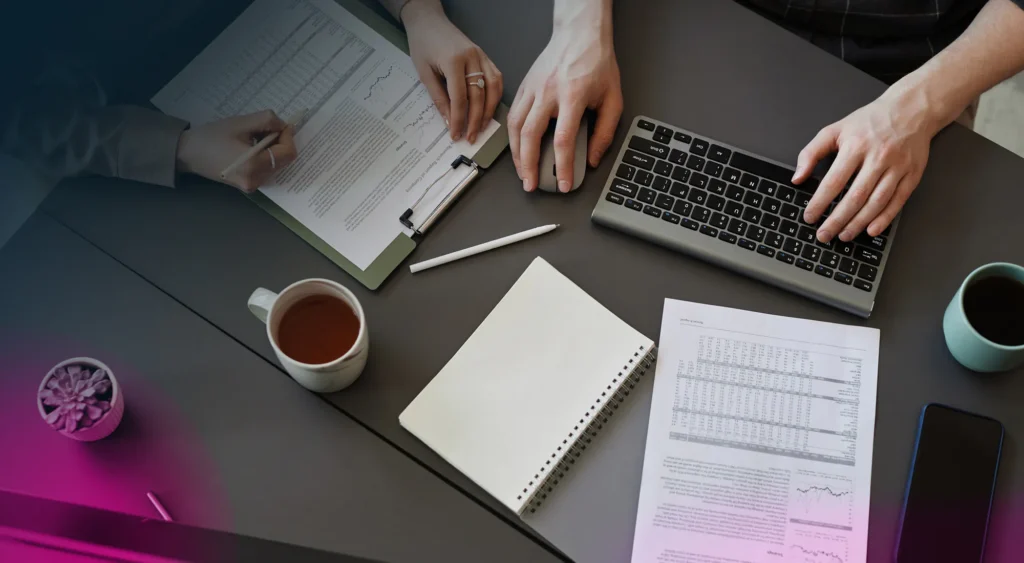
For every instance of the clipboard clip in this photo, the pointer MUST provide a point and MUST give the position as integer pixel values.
(462, 164)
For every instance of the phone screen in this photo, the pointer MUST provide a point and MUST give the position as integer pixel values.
(949, 495)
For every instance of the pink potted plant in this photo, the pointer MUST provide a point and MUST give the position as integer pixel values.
(80, 398)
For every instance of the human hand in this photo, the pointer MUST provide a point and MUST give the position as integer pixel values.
(208, 149)
(576, 71)
(885, 144)
(444, 56)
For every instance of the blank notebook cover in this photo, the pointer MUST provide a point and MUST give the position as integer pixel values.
(516, 405)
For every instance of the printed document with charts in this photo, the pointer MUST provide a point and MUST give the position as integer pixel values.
(759, 442)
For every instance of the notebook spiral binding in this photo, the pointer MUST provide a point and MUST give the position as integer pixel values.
(592, 422)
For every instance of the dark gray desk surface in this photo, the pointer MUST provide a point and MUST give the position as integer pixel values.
(712, 67)
(223, 438)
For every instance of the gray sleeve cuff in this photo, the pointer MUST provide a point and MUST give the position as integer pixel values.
(147, 146)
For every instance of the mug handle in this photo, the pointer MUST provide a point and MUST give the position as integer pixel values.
(261, 302)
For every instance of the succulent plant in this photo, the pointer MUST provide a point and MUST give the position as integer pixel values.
(75, 397)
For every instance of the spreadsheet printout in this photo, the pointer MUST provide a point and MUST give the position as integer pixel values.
(760, 440)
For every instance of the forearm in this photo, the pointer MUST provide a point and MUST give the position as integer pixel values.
(594, 16)
(403, 10)
(990, 51)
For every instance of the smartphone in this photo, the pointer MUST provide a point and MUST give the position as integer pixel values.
(949, 492)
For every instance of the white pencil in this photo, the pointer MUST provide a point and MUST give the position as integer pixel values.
(511, 239)
(260, 146)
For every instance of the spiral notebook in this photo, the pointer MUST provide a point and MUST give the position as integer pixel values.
(520, 402)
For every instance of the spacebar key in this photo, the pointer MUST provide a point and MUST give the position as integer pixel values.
(761, 168)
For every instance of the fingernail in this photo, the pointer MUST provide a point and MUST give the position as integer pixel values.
(824, 236)
(526, 185)
(795, 174)
(457, 136)
(446, 123)
(563, 186)
(846, 236)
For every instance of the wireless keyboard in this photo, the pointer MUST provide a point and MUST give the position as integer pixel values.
(714, 201)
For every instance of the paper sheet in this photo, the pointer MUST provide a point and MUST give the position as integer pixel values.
(759, 442)
(373, 140)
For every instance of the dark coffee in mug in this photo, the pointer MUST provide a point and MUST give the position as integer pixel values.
(318, 329)
(995, 308)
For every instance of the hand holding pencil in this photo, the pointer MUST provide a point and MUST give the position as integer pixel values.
(243, 151)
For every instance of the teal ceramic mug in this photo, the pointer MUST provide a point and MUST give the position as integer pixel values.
(967, 345)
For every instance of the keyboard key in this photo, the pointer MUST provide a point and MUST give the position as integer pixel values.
(720, 220)
(830, 259)
(689, 224)
(716, 186)
(671, 217)
(719, 153)
(615, 198)
(680, 174)
(644, 124)
(639, 160)
(682, 208)
(623, 187)
(716, 202)
(771, 205)
(806, 234)
(767, 187)
(755, 233)
(802, 199)
(811, 252)
(789, 228)
(862, 285)
(831, 244)
(731, 175)
(747, 244)
(770, 222)
(699, 180)
(790, 211)
(738, 227)
(848, 265)
(751, 215)
(757, 166)
(708, 230)
(793, 246)
(664, 201)
(874, 243)
(803, 221)
(734, 192)
(728, 237)
(663, 168)
(662, 183)
(699, 146)
(701, 214)
(625, 172)
(648, 147)
(749, 181)
(662, 130)
(712, 169)
(695, 163)
(867, 272)
(734, 208)
(682, 137)
(785, 257)
(677, 157)
(697, 196)
(678, 189)
(652, 211)
(844, 248)
(634, 205)
(662, 138)
(786, 193)
(865, 255)
(843, 278)
(774, 240)
(753, 199)
(647, 195)
(823, 271)
(769, 252)
(644, 178)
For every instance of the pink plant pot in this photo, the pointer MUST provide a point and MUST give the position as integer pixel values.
(110, 419)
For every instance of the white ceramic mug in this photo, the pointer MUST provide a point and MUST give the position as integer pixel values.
(336, 375)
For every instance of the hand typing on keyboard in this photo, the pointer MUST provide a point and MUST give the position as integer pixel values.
(576, 71)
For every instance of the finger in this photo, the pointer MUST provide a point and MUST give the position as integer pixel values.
(608, 116)
(438, 93)
(835, 180)
(455, 76)
(822, 145)
(899, 199)
(880, 197)
(284, 150)
(529, 142)
(863, 185)
(569, 116)
(477, 98)
(521, 107)
(495, 87)
(265, 121)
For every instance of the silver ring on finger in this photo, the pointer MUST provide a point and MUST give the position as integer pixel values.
(273, 161)
(479, 82)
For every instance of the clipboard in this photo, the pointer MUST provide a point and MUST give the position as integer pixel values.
(392, 257)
